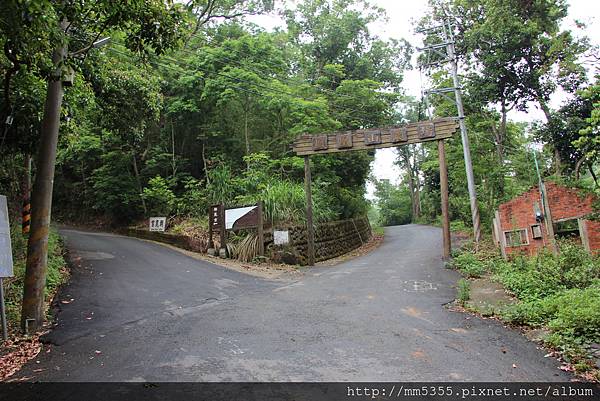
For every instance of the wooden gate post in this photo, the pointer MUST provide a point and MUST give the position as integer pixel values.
(211, 244)
(309, 212)
(444, 196)
(222, 233)
(260, 228)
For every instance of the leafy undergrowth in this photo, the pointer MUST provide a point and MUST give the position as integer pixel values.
(190, 227)
(560, 293)
(19, 349)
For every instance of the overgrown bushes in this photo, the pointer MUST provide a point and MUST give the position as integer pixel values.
(56, 275)
(560, 292)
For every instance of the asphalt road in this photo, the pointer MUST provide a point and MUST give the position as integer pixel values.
(144, 312)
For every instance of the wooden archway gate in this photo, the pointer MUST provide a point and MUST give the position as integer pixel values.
(377, 138)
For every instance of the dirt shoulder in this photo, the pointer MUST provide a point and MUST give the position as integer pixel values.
(277, 271)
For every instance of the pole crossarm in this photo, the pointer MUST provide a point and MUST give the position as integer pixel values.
(375, 138)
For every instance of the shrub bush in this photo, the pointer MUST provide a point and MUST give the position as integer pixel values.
(56, 275)
(160, 200)
(464, 291)
(561, 292)
(537, 277)
(469, 264)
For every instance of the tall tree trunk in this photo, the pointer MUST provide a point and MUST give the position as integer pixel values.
(246, 133)
(591, 169)
(501, 134)
(32, 311)
(414, 197)
(138, 181)
(173, 163)
(548, 115)
(204, 163)
(417, 187)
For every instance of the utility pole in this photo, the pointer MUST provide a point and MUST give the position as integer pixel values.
(449, 56)
(547, 213)
(32, 313)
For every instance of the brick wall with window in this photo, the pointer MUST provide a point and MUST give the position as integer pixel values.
(522, 233)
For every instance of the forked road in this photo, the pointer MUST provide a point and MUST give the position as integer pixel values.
(144, 312)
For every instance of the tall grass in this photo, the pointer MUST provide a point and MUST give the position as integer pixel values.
(285, 203)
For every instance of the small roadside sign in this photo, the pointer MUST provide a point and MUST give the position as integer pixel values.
(158, 223)
(6, 261)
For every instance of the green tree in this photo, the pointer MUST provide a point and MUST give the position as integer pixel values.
(393, 203)
(518, 54)
(37, 36)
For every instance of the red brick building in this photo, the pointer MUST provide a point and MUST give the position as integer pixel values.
(520, 224)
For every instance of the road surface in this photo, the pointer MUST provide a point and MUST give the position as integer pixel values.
(144, 312)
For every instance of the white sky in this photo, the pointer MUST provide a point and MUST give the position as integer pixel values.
(401, 16)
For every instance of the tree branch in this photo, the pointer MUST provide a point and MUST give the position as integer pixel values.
(9, 74)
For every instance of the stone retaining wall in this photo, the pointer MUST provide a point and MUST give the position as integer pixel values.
(332, 239)
(180, 241)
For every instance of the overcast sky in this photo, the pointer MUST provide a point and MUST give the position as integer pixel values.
(401, 16)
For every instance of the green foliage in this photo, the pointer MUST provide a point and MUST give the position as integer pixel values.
(546, 274)
(193, 201)
(160, 200)
(573, 315)
(464, 291)
(468, 264)
(114, 188)
(588, 141)
(284, 202)
(559, 292)
(393, 203)
(221, 187)
(57, 273)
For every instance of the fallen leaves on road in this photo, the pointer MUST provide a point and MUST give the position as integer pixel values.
(19, 351)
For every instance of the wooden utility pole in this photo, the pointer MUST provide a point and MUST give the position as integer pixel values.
(309, 212)
(548, 218)
(32, 313)
(547, 213)
(444, 196)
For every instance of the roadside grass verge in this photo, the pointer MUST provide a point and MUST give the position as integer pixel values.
(19, 349)
(13, 286)
(560, 294)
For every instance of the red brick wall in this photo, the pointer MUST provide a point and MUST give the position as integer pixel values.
(565, 203)
(593, 230)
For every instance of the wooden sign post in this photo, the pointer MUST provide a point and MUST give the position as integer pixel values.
(260, 230)
(216, 221)
(377, 138)
(236, 218)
